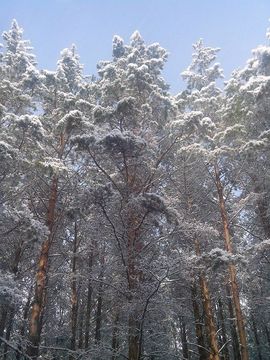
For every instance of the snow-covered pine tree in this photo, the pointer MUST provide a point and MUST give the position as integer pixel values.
(60, 118)
(127, 147)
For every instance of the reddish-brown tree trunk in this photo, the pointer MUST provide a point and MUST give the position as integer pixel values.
(203, 354)
(41, 278)
(225, 350)
(232, 268)
(208, 312)
(233, 327)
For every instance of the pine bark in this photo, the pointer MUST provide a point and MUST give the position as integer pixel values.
(36, 317)
(232, 269)
(233, 327)
(203, 354)
(208, 312)
(225, 350)
(42, 277)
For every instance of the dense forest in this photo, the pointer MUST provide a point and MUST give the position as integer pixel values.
(134, 224)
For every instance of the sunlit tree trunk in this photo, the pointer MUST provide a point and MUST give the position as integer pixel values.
(208, 312)
(41, 278)
(232, 268)
(38, 304)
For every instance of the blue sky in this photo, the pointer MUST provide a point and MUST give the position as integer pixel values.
(236, 26)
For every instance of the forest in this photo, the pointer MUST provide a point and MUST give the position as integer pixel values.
(134, 223)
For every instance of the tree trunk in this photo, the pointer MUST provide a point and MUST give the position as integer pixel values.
(99, 303)
(225, 350)
(9, 329)
(232, 269)
(203, 354)
(133, 337)
(74, 290)
(80, 323)
(42, 277)
(115, 339)
(184, 339)
(234, 336)
(209, 317)
(88, 304)
(256, 337)
(134, 279)
(99, 315)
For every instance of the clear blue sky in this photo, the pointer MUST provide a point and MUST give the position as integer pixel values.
(236, 26)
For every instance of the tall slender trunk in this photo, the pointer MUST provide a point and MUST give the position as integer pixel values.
(256, 337)
(133, 337)
(207, 306)
(81, 322)
(9, 329)
(225, 350)
(88, 303)
(232, 268)
(183, 333)
(203, 354)
(233, 329)
(115, 338)
(99, 315)
(99, 302)
(74, 290)
(135, 277)
(42, 277)
(38, 304)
